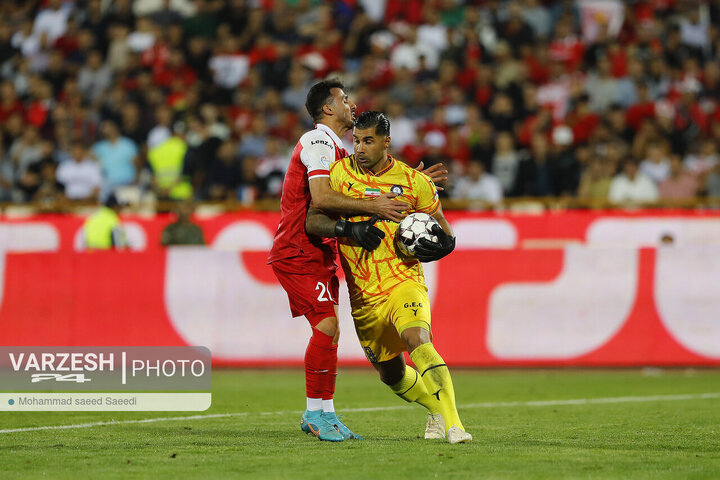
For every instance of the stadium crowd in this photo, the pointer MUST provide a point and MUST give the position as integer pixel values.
(204, 99)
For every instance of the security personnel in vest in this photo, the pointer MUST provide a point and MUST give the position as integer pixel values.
(103, 230)
(167, 161)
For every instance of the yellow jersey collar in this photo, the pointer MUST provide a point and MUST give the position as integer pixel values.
(383, 171)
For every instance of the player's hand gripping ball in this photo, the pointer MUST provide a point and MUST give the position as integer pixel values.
(414, 227)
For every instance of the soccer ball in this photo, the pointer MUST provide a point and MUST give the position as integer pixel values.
(414, 227)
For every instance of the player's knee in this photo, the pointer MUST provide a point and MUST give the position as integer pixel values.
(413, 337)
(391, 371)
(330, 327)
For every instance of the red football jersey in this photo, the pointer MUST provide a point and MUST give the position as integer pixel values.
(311, 158)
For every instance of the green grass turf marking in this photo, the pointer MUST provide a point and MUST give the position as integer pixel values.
(537, 403)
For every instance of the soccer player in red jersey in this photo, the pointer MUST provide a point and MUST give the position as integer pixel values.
(305, 265)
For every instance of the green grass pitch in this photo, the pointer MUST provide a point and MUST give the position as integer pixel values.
(624, 424)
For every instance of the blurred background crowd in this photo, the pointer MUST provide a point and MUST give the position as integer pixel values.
(598, 100)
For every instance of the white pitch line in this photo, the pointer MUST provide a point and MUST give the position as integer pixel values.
(531, 403)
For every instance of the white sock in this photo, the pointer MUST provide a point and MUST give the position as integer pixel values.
(314, 404)
(328, 406)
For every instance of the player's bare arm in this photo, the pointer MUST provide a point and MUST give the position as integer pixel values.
(428, 251)
(327, 199)
(364, 233)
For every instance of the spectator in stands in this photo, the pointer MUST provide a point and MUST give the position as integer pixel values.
(534, 177)
(202, 149)
(537, 16)
(506, 161)
(632, 187)
(656, 165)
(95, 78)
(515, 31)
(226, 173)
(434, 144)
(595, 181)
(712, 183)
(131, 123)
(680, 184)
(7, 174)
(617, 121)
(49, 191)
(694, 31)
(118, 157)
(182, 231)
(502, 113)
(27, 150)
(704, 160)
(253, 142)
(411, 53)
(271, 168)
(563, 162)
(143, 37)
(80, 175)
(211, 118)
(489, 68)
(478, 185)
(27, 154)
(118, 55)
(162, 129)
(56, 73)
(404, 129)
(51, 22)
(230, 68)
(601, 87)
(9, 102)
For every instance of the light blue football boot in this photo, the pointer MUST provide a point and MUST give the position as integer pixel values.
(314, 422)
(334, 420)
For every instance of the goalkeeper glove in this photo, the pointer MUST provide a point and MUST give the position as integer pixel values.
(428, 251)
(364, 233)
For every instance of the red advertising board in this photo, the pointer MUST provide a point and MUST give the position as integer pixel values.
(570, 288)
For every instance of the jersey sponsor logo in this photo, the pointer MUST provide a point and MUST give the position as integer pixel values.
(372, 192)
(414, 306)
(397, 189)
(324, 142)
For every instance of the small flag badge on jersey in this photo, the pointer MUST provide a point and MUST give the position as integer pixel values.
(372, 192)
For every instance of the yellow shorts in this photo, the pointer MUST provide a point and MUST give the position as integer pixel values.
(380, 322)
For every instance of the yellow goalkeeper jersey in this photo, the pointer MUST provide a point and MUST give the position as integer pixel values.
(373, 274)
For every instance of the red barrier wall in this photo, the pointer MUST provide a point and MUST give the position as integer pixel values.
(576, 288)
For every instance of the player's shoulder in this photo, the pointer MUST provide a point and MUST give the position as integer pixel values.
(344, 164)
(316, 138)
(416, 176)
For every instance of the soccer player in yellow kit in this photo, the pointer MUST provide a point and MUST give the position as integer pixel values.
(390, 305)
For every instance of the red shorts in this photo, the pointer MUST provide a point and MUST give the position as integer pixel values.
(311, 286)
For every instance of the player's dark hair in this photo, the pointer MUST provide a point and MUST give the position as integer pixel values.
(319, 96)
(374, 119)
